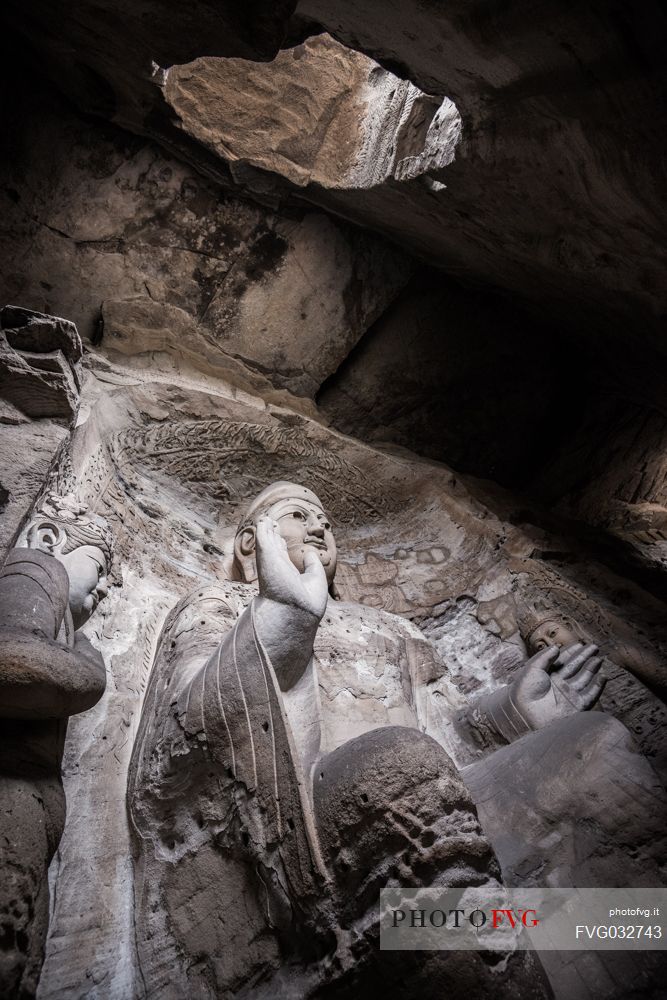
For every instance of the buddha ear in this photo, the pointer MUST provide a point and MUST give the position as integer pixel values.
(246, 540)
(46, 536)
(245, 567)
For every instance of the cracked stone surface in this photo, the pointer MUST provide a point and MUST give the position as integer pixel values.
(139, 249)
(264, 249)
(339, 120)
(171, 464)
(40, 379)
(559, 154)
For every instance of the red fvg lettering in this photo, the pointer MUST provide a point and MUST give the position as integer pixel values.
(512, 917)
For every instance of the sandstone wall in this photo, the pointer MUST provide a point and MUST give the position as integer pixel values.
(170, 464)
(246, 304)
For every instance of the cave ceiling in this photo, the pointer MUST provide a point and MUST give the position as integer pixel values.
(451, 237)
(558, 153)
(409, 256)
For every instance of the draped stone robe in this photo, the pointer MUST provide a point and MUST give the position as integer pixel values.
(236, 812)
(267, 821)
(227, 858)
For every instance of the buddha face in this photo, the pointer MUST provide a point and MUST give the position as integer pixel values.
(302, 523)
(555, 632)
(87, 570)
(305, 526)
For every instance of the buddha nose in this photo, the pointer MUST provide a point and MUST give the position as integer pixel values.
(102, 588)
(315, 527)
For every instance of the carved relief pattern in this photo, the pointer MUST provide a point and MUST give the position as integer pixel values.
(239, 458)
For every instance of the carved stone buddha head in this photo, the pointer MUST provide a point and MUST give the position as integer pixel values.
(302, 522)
(82, 544)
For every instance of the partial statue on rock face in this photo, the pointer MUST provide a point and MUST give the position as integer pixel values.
(286, 764)
(635, 688)
(551, 628)
(49, 587)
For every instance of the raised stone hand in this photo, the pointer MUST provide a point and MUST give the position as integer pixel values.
(279, 580)
(557, 682)
(552, 684)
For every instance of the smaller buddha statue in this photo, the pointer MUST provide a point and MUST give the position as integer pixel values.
(635, 685)
(50, 585)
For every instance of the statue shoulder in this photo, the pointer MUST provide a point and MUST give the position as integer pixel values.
(225, 598)
(192, 631)
(34, 592)
(197, 624)
(36, 565)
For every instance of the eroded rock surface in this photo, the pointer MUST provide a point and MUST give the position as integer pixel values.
(543, 181)
(40, 379)
(216, 228)
(158, 263)
(337, 118)
(172, 468)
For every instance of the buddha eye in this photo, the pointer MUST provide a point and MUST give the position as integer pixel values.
(326, 526)
(299, 515)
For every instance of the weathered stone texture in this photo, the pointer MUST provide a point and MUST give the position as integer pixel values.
(201, 226)
(172, 468)
(543, 181)
(317, 114)
(112, 74)
(153, 261)
(456, 375)
(40, 380)
(614, 474)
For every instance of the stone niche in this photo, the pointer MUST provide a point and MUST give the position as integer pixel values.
(170, 466)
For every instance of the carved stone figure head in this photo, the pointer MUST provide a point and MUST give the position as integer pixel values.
(302, 522)
(82, 544)
(552, 631)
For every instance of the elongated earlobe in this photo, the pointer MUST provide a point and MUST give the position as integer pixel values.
(245, 567)
(246, 541)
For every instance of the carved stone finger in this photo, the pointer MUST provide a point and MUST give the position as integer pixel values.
(574, 665)
(269, 535)
(271, 529)
(592, 692)
(586, 674)
(565, 692)
(546, 659)
(568, 652)
(263, 530)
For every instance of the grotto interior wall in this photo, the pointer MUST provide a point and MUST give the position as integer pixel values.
(488, 433)
(144, 252)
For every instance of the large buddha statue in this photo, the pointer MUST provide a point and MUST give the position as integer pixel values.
(289, 765)
(49, 587)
